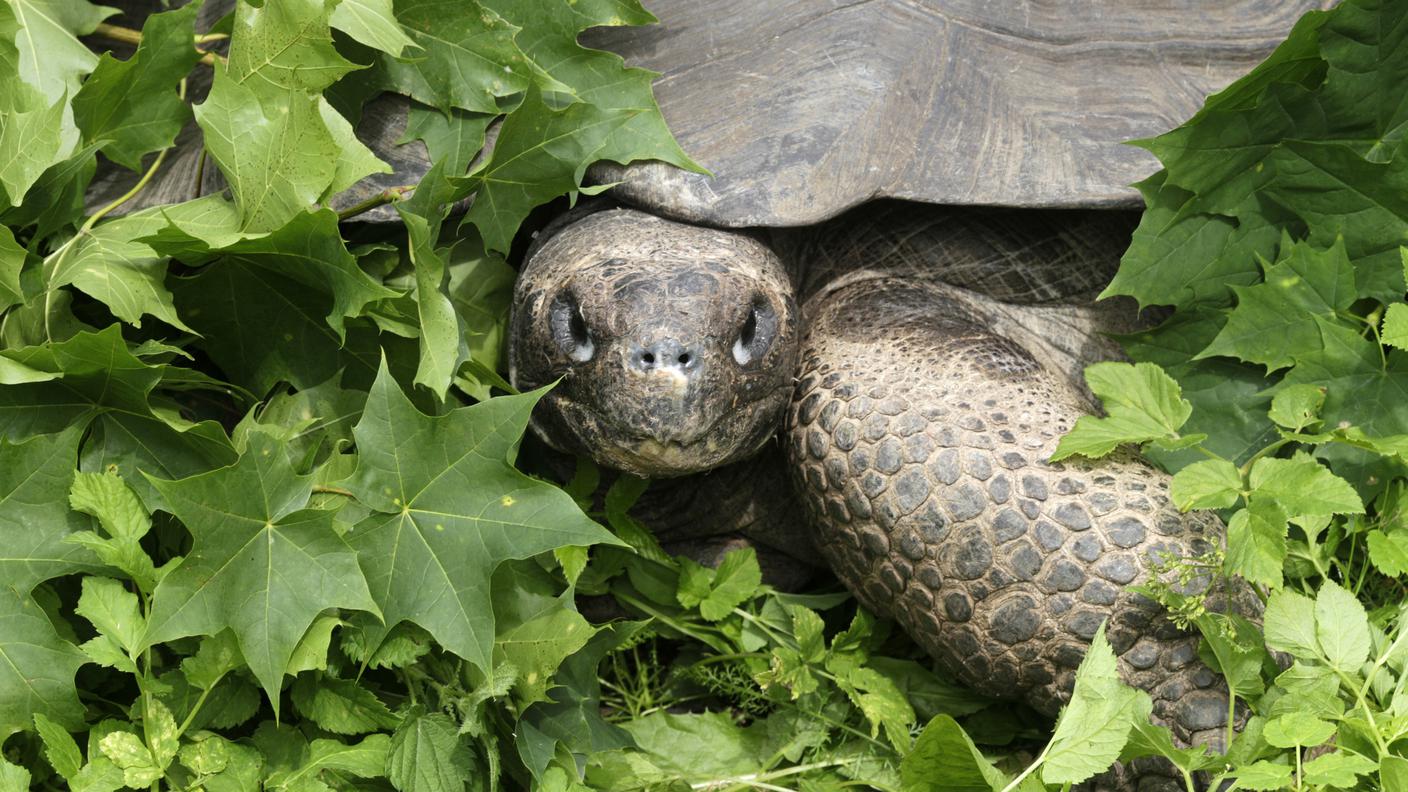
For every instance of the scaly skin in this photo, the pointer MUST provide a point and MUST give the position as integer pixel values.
(922, 461)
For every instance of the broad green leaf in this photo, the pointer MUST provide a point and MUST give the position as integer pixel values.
(261, 563)
(1143, 404)
(1388, 552)
(440, 345)
(34, 516)
(12, 258)
(113, 611)
(1290, 624)
(1303, 486)
(452, 139)
(1093, 727)
(1289, 731)
(468, 58)
(365, 759)
(59, 747)
(1338, 769)
(133, 104)
(716, 592)
(448, 508)
(1395, 329)
(36, 668)
(311, 653)
(1238, 656)
(32, 131)
(217, 656)
(340, 706)
(1210, 484)
(1262, 775)
(276, 149)
(308, 249)
(1274, 322)
(51, 58)
(127, 751)
(372, 23)
(944, 759)
(287, 45)
(1256, 542)
(13, 778)
(107, 497)
(537, 628)
(427, 755)
(1341, 627)
(110, 265)
(1297, 406)
(207, 754)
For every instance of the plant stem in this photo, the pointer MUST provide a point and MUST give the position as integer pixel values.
(1231, 712)
(751, 779)
(1034, 765)
(324, 489)
(127, 35)
(389, 195)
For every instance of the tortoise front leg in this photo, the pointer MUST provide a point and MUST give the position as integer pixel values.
(918, 439)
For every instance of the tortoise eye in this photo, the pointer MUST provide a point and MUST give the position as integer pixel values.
(758, 332)
(569, 328)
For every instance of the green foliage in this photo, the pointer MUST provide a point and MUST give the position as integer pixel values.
(1274, 231)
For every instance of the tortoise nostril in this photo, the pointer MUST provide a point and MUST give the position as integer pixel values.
(647, 358)
(684, 358)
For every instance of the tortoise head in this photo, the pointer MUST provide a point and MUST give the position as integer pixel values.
(675, 345)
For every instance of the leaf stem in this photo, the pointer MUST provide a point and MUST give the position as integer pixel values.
(389, 195)
(1028, 771)
(128, 35)
(326, 490)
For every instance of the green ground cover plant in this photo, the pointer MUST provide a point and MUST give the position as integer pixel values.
(261, 522)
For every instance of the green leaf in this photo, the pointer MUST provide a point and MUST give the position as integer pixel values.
(107, 497)
(1210, 484)
(440, 345)
(113, 611)
(217, 656)
(1256, 542)
(1143, 404)
(1290, 731)
(36, 668)
(12, 258)
(133, 104)
(34, 517)
(366, 759)
(1290, 624)
(52, 58)
(1395, 329)
(311, 653)
(452, 139)
(371, 23)
(1388, 552)
(1274, 323)
(59, 747)
(1303, 486)
(536, 628)
(13, 778)
(1262, 775)
(716, 592)
(261, 563)
(1238, 656)
(468, 60)
(341, 706)
(944, 759)
(276, 149)
(1093, 727)
(1297, 406)
(110, 265)
(448, 508)
(285, 44)
(1338, 769)
(426, 755)
(127, 751)
(33, 134)
(1341, 627)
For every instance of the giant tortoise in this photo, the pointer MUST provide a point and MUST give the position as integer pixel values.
(831, 346)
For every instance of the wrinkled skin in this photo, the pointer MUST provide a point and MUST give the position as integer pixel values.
(917, 434)
(645, 331)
